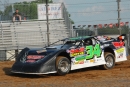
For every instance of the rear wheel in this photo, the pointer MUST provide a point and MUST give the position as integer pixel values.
(110, 61)
(62, 65)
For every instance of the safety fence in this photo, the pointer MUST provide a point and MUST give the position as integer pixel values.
(32, 11)
(32, 31)
(32, 34)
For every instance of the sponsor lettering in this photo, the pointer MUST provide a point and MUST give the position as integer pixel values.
(80, 62)
(76, 52)
(118, 44)
(82, 57)
(120, 50)
(120, 55)
(92, 61)
(105, 45)
(34, 57)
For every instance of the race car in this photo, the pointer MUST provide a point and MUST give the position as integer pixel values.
(70, 54)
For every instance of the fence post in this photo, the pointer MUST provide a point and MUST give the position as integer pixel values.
(12, 8)
(128, 43)
(16, 53)
(47, 19)
(1, 31)
(96, 31)
(72, 34)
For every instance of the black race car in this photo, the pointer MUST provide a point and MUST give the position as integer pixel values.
(70, 54)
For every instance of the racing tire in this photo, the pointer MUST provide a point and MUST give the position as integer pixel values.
(110, 61)
(62, 65)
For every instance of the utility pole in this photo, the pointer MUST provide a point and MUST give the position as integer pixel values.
(118, 5)
(48, 40)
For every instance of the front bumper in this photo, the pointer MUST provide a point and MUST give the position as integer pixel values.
(33, 68)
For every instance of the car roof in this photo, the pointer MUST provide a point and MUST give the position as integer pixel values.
(79, 38)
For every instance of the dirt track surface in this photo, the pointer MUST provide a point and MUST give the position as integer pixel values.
(119, 76)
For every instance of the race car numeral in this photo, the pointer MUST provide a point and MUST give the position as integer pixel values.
(97, 50)
(90, 52)
(93, 51)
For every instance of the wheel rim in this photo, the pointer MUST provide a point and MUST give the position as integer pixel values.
(63, 66)
(109, 61)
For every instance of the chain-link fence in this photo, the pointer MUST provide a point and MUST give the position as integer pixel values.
(32, 33)
(101, 31)
(28, 11)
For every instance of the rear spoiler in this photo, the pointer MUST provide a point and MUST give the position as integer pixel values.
(122, 37)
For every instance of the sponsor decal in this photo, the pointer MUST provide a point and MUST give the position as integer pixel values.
(120, 50)
(118, 44)
(34, 57)
(76, 52)
(80, 58)
(54, 11)
(120, 55)
(99, 59)
(80, 62)
(106, 45)
(88, 57)
(103, 38)
(92, 61)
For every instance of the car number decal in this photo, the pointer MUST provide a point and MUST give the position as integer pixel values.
(93, 51)
(86, 53)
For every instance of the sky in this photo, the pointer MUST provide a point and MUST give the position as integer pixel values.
(93, 12)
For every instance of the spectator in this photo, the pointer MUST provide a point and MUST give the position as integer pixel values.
(16, 15)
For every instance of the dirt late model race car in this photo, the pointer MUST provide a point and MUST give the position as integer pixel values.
(71, 54)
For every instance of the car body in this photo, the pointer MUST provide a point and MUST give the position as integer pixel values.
(71, 54)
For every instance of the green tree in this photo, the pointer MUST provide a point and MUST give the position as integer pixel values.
(27, 9)
(1, 12)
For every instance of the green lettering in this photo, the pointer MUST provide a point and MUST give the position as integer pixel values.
(90, 52)
(97, 50)
(93, 51)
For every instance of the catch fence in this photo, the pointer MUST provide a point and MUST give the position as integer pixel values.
(32, 32)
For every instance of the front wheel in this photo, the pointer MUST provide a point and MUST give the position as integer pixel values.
(62, 65)
(110, 61)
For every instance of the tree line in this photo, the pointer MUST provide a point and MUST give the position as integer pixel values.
(27, 9)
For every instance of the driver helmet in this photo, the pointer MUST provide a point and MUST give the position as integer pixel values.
(88, 42)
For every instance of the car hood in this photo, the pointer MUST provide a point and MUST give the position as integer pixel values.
(40, 53)
(48, 50)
